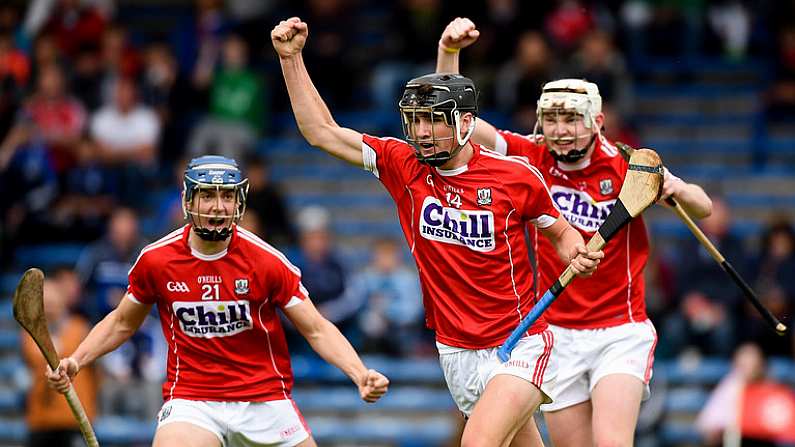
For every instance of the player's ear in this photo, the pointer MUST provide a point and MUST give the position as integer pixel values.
(600, 120)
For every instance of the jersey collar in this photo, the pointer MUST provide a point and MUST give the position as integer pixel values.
(213, 257)
(461, 169)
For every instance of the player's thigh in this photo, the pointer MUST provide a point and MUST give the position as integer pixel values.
(503, 409)
(184, 434)
(570, 426)
(616, 404)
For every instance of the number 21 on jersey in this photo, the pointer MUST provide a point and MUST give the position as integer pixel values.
(210, 292)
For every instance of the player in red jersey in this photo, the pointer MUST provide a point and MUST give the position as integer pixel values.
(463, 211)
(217, 288)
(604, 340)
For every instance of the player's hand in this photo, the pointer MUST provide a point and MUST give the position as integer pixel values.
(61, 378)
(584, 262)
(289, 36)
(373, 386)
(460, 33)
(671, 184)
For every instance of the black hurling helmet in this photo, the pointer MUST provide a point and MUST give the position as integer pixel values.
(440, 97)
(219, 173)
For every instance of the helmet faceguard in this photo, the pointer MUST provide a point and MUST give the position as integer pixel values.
(438, 98)
(216, 173)
(570, 97)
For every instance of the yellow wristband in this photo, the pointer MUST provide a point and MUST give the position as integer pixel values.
(448, 49)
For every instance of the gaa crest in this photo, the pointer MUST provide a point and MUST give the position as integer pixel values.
(241, 286)
(605, 186)
(484, 196)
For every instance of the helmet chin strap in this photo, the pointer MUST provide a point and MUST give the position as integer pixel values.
(440, 158)
(574, 155)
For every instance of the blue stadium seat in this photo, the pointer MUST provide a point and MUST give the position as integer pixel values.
(433, 431)
(312, 368)
(10, 366)
(11, 401)
(12, 431)
(404, 399)
(9, 339)
(708, 371)
(119, 430)
(686, 400)
(676, 432)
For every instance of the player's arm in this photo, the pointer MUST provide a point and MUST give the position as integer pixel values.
(311, 113)
(116, 328)
(334, 348)
(570, 246)
(691, 196)
(461, 33)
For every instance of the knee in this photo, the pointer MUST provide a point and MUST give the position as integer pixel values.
(472, 439)
(611, 441)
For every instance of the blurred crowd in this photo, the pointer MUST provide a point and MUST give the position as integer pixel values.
(101, 104)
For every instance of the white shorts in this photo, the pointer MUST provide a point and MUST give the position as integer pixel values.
(467, 371)
(584, 356)
(272, 423)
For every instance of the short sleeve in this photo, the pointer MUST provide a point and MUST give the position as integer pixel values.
(285, 283)
(510, 143)
(389, 160)
(140, 286)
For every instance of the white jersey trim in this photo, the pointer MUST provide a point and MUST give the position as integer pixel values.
(132, 298)
(176, 355)
(524, 162)
(582, 164)
(293, 301)
(608, 147)
(543, 221)
(270, 349)
(206, 257)
(413, 235)
(370, 159)
(452, 172)
(162, 242)
(510, 260)
(500, 144)
(254, 239)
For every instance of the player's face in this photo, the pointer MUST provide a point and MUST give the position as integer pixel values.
(565, 130)
(430, 132)
(215, 207)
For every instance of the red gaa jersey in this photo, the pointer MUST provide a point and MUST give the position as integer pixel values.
(585, 195)
(218, 314)
(465, 228)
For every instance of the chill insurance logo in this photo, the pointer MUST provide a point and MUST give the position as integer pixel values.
(473, 229)
(579, 209)
(213, 319)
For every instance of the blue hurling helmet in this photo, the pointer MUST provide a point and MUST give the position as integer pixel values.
(218, 173)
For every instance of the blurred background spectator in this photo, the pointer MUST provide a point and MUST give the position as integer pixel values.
(48, 415)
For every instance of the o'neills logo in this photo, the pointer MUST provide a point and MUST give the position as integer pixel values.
(579, 209)
(213, 319)
(470, 228)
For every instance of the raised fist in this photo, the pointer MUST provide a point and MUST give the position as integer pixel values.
(289, 36)
(460, 33)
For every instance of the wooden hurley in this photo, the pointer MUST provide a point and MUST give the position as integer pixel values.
(29, 313)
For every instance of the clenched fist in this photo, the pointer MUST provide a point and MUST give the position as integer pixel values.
(61, 378)
(460, 33)
(289, 37)
(373, 386)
